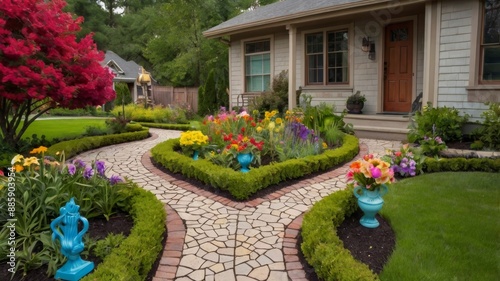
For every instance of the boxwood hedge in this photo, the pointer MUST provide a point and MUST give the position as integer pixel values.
(242, 185)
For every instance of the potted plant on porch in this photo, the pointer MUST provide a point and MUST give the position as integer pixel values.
(355, 103)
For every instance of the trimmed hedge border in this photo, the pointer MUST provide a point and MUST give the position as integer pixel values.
(179, 127)
(242, 185)
(135, 256)
(432, 165)
(73, 147)
(325, 251)
(321, 246)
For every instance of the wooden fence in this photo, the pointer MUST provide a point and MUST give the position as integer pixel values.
(171, 96)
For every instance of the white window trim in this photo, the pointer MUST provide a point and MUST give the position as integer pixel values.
(350, 34)
(243, 57)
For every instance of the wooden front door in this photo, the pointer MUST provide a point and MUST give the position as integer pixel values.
(398, 67)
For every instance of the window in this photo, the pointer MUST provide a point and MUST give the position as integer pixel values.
(330, 49)
(490, 43)
(257, 66)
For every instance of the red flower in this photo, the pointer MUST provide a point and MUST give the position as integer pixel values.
(243, 130)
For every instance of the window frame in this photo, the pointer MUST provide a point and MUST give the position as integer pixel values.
(482, 46)
(348, 28)
(245, 55)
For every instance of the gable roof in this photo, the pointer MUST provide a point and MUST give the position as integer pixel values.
(281, 11)
(125, 71)
(290, 11)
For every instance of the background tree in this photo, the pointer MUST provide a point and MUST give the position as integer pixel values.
(43, 65)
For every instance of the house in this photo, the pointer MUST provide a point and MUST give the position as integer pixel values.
(126, 72)
(390, 51)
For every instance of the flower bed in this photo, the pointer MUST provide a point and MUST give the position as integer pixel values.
(243, 185)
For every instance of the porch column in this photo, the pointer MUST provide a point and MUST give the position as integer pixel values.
(431, 52)
(292, 57)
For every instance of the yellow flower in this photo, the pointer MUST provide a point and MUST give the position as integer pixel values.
(41, 149)
(17, 158)
(325, 146)
(271, 125)
(259, 129)
(18, 168)
(279, 121)
(30, 161)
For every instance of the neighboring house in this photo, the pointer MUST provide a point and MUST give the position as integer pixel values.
(391, 51)
(126, 72)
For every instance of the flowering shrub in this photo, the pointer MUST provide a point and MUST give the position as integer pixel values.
(42, 186)
(370, 173)
(406, 161)
(193, 140)
(242, 144)
(431, 146)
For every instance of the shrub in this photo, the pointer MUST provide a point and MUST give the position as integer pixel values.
(157, 114)
(321, 246)
(42, 186)
(277, 98)
(447, 124)
(489, 133)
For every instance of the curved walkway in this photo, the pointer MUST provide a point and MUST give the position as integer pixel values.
(214, 238)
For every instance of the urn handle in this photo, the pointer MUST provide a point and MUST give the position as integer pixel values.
(383, 190)
(356, 193)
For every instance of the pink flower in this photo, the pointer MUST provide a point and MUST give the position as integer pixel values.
(350, 175)
(376, 173)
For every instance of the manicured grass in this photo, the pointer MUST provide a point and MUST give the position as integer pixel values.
(447, 227)
(62, 128)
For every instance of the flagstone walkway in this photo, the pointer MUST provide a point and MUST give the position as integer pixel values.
(213, 238)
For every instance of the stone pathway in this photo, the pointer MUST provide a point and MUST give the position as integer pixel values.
(214, 238)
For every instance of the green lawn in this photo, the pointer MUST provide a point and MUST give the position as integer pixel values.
(62, 128)
(447, 227)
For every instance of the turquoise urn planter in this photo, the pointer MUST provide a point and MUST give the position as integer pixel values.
(370, 202)
(196, 154)
(245, 159)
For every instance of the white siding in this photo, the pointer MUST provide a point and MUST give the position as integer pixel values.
(454, 57)
(236, 85)
(280, 53)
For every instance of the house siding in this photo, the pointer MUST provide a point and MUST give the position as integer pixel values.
(236, 74)
(454, 58)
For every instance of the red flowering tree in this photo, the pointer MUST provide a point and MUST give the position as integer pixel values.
(43, 65)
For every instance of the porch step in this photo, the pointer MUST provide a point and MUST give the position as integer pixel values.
(384, 127)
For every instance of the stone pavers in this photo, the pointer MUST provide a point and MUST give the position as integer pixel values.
(213, 238)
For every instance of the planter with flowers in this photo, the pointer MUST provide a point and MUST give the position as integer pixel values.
(371, 176)
(244, 148)
(355, 103)
(192, 142)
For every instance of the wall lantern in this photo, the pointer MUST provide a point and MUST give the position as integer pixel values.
(368, 46)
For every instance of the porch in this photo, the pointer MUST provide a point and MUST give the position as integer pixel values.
(380, 126)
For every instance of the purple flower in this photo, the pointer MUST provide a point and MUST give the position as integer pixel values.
(439, 140)
(79, 163)
(115, 179)
(71, 169)
(100, 167)
(88, 173)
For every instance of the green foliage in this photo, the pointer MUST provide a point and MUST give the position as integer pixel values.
(432, 146)
(74, 147)
(208, 96)
(179, 127)
(356, 98)
(277, 98)
(104, 247)
(137, 253)
(321, 246)
(123, 95)
(440, 121)
(95, 131)
(489, 133)
(157, 114)
(243, 185)
(40, 190)
(133, 127)
(431, 165)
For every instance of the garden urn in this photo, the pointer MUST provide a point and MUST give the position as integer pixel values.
(245, 159)
(370, 202)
